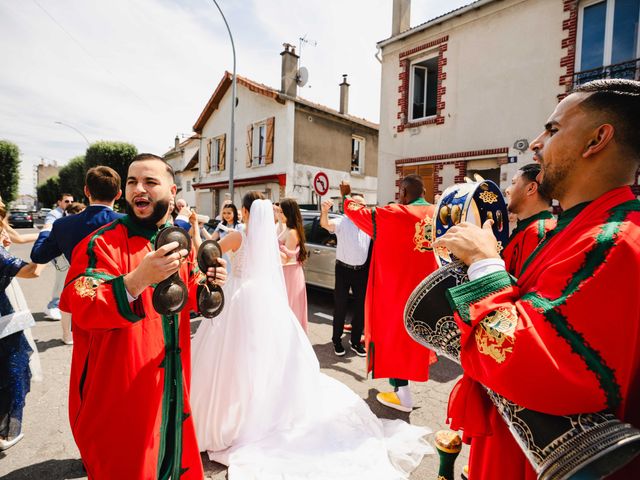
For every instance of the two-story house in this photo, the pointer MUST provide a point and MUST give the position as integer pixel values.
(467, 91)
(281, 142)
(183, 158)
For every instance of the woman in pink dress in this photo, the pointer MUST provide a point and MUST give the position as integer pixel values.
(293, 254)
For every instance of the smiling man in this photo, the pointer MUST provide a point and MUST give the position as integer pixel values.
(130, 373)
(570, 325)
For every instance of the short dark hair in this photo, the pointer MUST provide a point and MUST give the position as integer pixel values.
(143, 157)
(103, 183)
(413, 185)
(62, 195)
(618, 101)
(530, 172)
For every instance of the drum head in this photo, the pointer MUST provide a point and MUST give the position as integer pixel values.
(173, 234)
(428, 317)
(170, 296)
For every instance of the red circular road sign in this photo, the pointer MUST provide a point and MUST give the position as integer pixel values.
(321, 183)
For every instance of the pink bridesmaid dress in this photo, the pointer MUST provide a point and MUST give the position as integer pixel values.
(294, 279)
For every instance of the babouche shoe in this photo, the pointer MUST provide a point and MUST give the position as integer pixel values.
(391, 399)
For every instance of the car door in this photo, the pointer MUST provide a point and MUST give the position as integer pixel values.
(321, 245)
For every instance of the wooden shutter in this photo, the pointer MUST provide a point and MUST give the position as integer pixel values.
(249, 145)
(208, 159)
(269, 150)
(222, 152)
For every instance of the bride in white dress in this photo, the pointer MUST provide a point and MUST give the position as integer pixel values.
(259, 401)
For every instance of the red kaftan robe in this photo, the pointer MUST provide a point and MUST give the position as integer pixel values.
(401, 257)
(525, 238)
(573, 345)
(130, 372)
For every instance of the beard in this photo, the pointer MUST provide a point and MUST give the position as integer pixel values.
(160, 209)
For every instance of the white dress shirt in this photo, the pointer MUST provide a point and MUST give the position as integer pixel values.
(353, 243)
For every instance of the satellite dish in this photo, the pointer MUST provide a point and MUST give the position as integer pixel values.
(521, 144)
(302, 77)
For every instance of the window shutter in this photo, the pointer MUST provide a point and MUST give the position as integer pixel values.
(208, 159)
(249, 144)
(222, 152)
(269, 150)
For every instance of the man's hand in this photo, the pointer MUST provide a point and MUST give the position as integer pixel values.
(470, 243)
(345, 188)
(155, 267)
(326, 206)
(193, 218)
(218, 275)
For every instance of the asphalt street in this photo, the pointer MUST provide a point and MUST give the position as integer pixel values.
(48, 451)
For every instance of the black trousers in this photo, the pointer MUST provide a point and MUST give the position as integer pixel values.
(356, 280)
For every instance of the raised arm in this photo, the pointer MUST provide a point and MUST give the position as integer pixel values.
(325, 222)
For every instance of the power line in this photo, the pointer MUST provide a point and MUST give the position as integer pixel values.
(89, 54)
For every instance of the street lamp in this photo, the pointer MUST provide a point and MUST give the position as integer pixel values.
(74, 128)
(233, 105)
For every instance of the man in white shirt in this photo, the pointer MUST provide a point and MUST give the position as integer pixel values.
(60, 263)
(351, 272)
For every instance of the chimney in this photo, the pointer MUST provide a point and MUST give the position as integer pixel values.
(401, 16)
(344, 95)
(176, 142)
(288, 84)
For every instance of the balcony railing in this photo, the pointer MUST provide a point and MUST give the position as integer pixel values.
(629, 70)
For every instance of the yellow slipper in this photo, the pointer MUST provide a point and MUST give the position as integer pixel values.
(390, 399)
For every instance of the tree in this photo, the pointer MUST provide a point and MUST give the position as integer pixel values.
(10, 168)
(71, 178)
(116, 155)
(48, 192)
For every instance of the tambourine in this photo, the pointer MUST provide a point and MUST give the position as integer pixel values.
(473, 202)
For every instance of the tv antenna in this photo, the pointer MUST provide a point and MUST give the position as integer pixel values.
(302, 76)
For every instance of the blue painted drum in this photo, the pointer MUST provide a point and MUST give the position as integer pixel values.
(473, 202)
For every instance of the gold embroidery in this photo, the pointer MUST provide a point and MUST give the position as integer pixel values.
(355, 206)
(87, 286)
(424, 235)
(495, 333)
(488, 197)
(499, 246)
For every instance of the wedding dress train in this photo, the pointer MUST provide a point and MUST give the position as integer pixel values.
(259, 401)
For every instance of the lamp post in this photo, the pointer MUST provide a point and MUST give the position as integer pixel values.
(74, 128)
(233, 105)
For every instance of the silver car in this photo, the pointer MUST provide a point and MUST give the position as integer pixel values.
(319, 269)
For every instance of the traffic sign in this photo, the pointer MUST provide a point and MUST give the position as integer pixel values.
(321, 183)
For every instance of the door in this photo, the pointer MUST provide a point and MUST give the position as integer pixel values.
(426, 172)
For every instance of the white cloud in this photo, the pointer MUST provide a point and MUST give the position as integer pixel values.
(142, 70)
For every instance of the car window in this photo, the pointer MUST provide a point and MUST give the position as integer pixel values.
(307, 223)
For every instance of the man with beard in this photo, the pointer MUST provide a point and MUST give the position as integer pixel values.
(530, 203)
(570, 326)
(130, 372)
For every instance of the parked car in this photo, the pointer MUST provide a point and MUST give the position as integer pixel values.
(319, 269)
(42, 213)
(20, 219)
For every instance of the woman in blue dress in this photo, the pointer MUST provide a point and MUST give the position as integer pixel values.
(15, 376)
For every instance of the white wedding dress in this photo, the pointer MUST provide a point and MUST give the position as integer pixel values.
(259, 401)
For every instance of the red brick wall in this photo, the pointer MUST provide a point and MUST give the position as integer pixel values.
(461, 165)
(403, 89)
(568, 62)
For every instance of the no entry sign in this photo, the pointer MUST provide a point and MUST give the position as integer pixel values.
(321, 183)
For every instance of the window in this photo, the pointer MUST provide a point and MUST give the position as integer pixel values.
(357, 155)
(260, 143)
(608, 35)
(423, 89)
(216, 153)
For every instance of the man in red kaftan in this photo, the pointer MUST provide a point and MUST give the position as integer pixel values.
(130, 372)
(402, 256)
(570, 325)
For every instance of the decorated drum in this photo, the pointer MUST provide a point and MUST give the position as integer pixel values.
(474, 202)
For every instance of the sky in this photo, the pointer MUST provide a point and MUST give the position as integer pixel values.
(141, 71)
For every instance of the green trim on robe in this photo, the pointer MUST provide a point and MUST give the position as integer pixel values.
(461, 297)
(122, 301)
